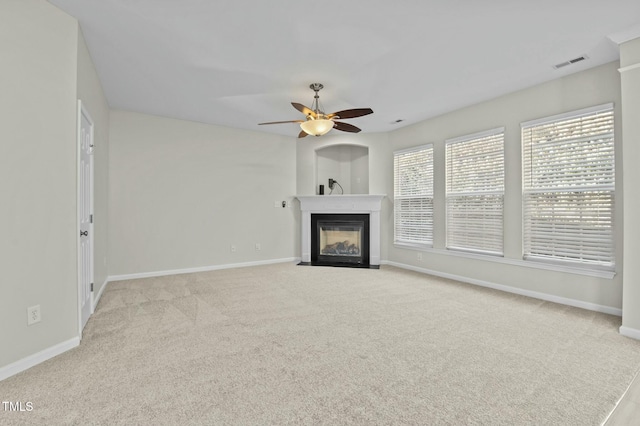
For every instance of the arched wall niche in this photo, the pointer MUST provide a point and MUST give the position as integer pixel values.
(348, 164)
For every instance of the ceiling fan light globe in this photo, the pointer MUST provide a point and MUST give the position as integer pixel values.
(317, 127)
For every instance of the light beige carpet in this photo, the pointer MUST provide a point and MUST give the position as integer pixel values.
(287, 344)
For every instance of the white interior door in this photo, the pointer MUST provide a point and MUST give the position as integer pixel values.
(85, 214)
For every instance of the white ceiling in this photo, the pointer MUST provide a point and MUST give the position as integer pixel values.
(237, 63)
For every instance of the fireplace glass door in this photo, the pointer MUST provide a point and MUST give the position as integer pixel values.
(340, 239)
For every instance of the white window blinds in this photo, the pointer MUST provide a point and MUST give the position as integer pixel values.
(413, 195)
(475, 192)
(568, 188)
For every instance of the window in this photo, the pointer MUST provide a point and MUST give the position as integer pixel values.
(475, 192)
(413, 195)
(568, 188)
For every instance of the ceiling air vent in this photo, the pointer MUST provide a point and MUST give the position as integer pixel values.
(571, 62)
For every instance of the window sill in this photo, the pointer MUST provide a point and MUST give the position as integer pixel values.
(534, 264)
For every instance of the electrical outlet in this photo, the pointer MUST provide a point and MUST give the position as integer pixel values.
(233, 248)
(258, 248)
(419, 256)
(331, 181)
(33, 314)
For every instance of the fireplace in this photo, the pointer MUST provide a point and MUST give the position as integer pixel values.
(340, 239)
(342, 209)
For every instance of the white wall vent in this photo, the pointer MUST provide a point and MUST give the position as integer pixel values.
(571, 61)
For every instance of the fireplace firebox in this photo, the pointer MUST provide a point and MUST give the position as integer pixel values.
(340, 240)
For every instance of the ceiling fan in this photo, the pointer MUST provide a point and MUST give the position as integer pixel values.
(317, 123)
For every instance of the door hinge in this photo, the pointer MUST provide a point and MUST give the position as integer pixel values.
(91, 286)
(90, 218)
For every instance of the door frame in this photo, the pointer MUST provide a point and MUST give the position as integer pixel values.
(82, 111)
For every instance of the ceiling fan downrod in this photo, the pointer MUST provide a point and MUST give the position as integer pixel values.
(316, 87)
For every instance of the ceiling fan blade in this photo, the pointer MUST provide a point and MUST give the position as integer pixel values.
(302, 134)
(346, 127)
(280, 122)
(303, 109)
(351, 113)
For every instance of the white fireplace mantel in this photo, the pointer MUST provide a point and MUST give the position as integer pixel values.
(357, 204)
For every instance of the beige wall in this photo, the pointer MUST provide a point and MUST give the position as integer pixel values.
(93, 99)
(592, 87)
(181, 193)
(37, 177)
(630, 74)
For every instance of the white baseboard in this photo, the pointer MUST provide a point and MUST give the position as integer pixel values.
(198, 269)
(96, 297)
(630, 332)
(536, 295)
(37, 358)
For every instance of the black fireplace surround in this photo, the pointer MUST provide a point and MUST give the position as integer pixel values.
(340, 240)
